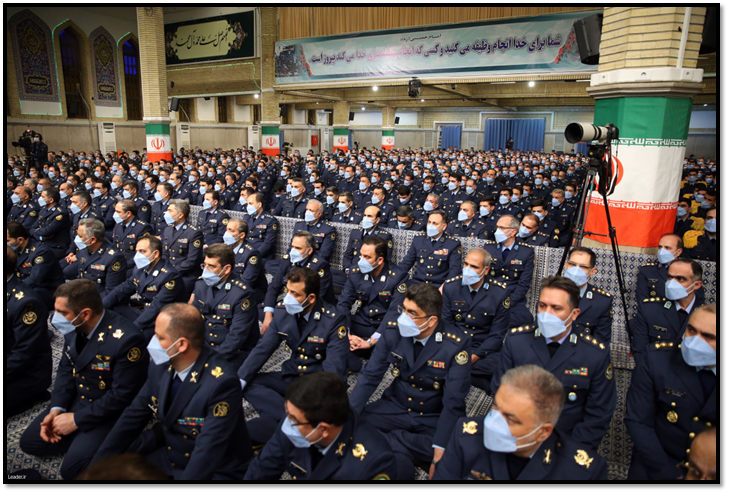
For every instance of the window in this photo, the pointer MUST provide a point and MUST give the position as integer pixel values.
(183, 111)
(132, 80)
(72, 78)
(222, 109)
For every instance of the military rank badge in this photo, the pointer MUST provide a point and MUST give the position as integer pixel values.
(436, 364)
(315, 339)
(577, 371)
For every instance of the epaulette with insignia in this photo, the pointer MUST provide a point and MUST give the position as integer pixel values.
(500, 284)
(452, 337)
(603, 292)
(489, 242)
(420, 234)
(454, 279)
(592, 341)
(280, 303)
(523, 329)
(648, 264)
(525, 244)
(356, 269)
(164, 270)
(659, 300)
(662, 345)
(194, 228)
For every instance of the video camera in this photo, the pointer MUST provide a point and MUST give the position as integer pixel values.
(25, 140)
(599, 153)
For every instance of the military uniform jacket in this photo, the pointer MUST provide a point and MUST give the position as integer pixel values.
(354, 245)
(360, 453)
(144, 210)
(181, 193)
(98, 383)
(431, 388)
(184, 248)
(290, 207)
(150, 291)
(557, 230)
(372, 297)
(596, 314)
(124, 237)
(212, 224)
(516, 271)
(316, 263)
(705, 248)
(583, 366)
(26, 214)
(434, 261)
(51, 227)
(483, 319)
(324, 233)
(231, 318)
(262, 232)
(651, 283)
(75, 219)
(38, 266)
(354, 217)
(106, 267)
(657, 320)
(204, 426)
(249, 269)
(461, 229)
(158, 216)
(558, 458)
(539, 238)
(666, 407)
(322, 345)
(509, 209)
(451, 202)
(104, 209)
(28, 362)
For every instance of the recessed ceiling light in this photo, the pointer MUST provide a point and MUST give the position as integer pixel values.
(363, 108)
(422, 100)
(255, 96)
(374, 88)
(531, 83)
(706, 105)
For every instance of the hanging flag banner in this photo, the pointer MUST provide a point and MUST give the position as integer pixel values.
(388, 139)
(542, 44)
(159, 143)
(270, 137)
(647, 161)
(341, 139)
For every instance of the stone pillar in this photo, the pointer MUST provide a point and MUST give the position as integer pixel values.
(388, 128)
(640, 89)
(150, 23)
(270, 100)
(341, 126)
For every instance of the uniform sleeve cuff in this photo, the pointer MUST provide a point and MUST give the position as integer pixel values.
(376, 336)
(268, 309)
(243, 384)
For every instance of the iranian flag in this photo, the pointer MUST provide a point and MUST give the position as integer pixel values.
(159, 144)
(388, 139)
(647, 161)
(270, 145)
(341, 139)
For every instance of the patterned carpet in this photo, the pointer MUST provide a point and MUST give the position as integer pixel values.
(616, 446)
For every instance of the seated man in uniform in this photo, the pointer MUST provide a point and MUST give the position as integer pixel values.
(529, 231)
(153, 283)
(701, 245)
(652, 276)
(672, 398)
(53, 222)
(182, 243)
(247, 266)
(200, 398)
(302, 254)
(128, 230)
(321, 439)
(596, 305)
(580, 362)
(104, 364)
(37, 265)
(478, 306)
(231, 320)
(370, 226)
(28, 362)
(519, 438)
(262, 228)
(432, 377)
(664, 319)
(316, 337)
(212, 219)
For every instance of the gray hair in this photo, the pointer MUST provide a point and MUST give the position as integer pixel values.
(541, 386)
(513, 222)
(470, 204)
(319, 205)
(486, 256)
(181, 205)
(310, 241)
(437, 197)
(93, 227)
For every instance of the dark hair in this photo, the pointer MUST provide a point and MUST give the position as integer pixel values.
(696, 270)
(242, 225)
(539, 203)
(404, 211)
(129, 467)
(311, 280)
(222, 252)
(104, 183)
(348, 196)
(127, 205)
(379, 244)
(17, 230)
(80, 294)
(214, 193)
(566, 285)
(166, 186)
(53, 193)
(427, 298)
(185, 321)
(321, 396)
(155, 244)
(581, 249)
(132, 183)
(440, 213)
(403, 190)
(489, 199)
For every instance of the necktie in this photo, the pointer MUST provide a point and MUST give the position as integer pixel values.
(708, 382)
(552, 347)
(418, 349)
(176, 383)
(473, 294)
(316, 457)
(504, 254)
(682, 316)
(301, 323)
(81, 341)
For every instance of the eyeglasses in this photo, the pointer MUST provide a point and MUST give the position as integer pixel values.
(401, 309)
(290, 418)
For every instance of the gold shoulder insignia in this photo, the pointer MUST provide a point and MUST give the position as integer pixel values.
(583, 459)
(609, 371)
(170, 285)
(359, 452)
(471, 427)
(59, 217)
(224, 221)
(116, 267)
(507, 302)
(253, 260)
(30, 318)
(245, 305)
(462, 358)
(217, 372)
(221, 409)
(196, 244)
(134, 354)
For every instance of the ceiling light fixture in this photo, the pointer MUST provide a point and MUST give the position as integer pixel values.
(374, 88)
(422, 100)
(255, 96)
(531, 83)
(509, 82)
(363, 108)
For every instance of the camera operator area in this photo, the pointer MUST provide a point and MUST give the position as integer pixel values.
(313, 243)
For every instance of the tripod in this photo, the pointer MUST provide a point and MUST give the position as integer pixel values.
(577, 232)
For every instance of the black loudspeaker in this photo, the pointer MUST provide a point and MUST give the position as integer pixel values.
(587, 33)
(175, 104)
(351, 116)
(397, 120)
(282, 111)
(709, 37)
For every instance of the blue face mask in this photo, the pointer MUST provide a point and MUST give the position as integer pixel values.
(75, 209)
(452, 186)
(292, 305)
(295, 256)
(500, 236)
(710, 225)
(551, 325)
(97, 192)
(367, 223)
(210, 278)
(576, 275)
(674, 290)
(503, 200)
(523, 232)
(158, 353)
(342, 207)
(169, 219)
(364, 266)
(470, 276)
(497, 436)
(664, 256)
(537, 181)
(375, 199)
(206, 205)
(309, 217)
(444, 180)
(401, 225)
(681, 212)
(64, 326)
(251, 209)
(432, 230)
(408, 328)
(41, 202)
(555, 202)
(697, 352)
(292, 433)
(387, 187)
(462, 216)
(428, 207)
